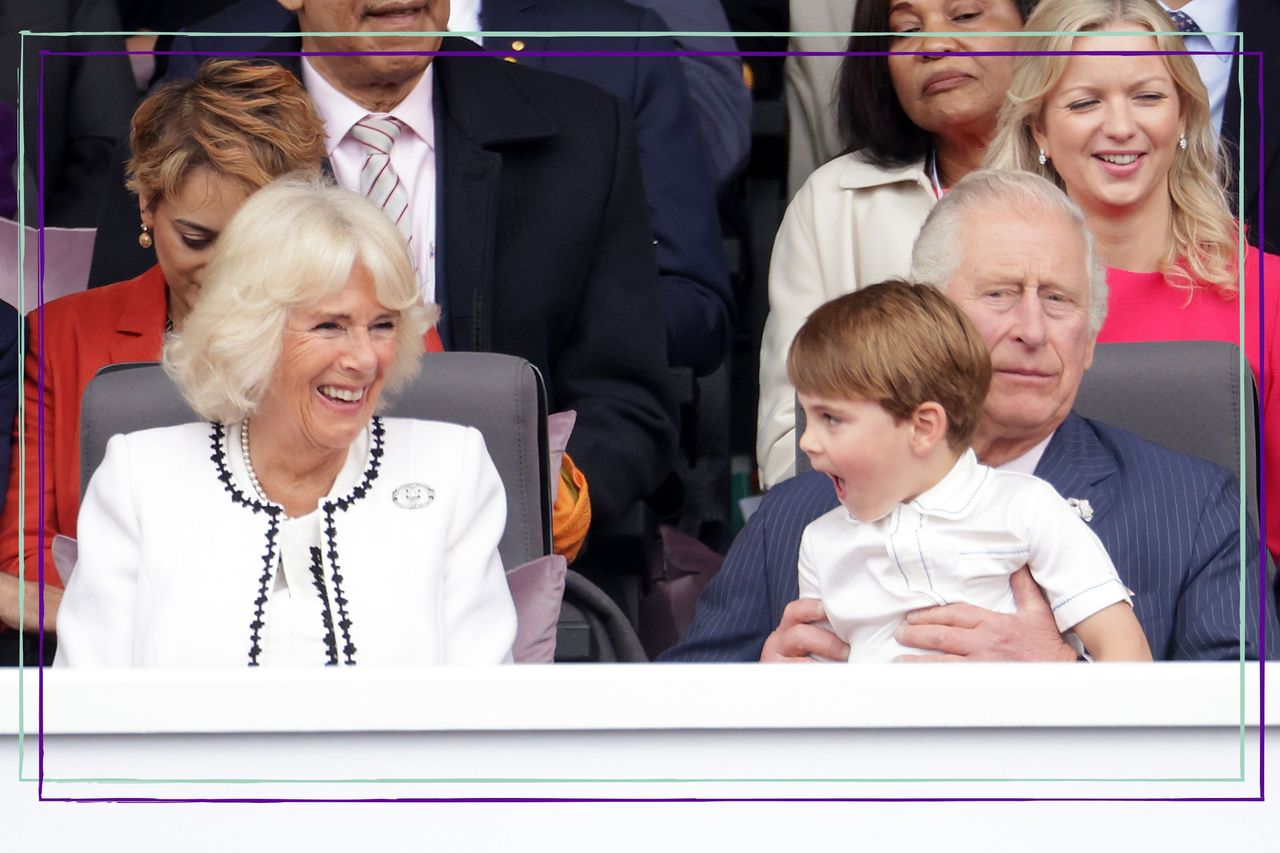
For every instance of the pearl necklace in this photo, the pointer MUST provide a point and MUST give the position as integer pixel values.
(248, 463)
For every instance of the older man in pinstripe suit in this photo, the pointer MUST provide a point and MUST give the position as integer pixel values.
(1013, 252)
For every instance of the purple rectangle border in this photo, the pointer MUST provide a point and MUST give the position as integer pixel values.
(40, 447)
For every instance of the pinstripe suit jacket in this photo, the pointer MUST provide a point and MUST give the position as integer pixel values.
(1169, 521)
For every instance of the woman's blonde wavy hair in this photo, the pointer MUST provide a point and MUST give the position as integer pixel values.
(1205, 245)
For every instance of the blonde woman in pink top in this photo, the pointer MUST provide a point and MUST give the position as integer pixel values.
(1130, 140)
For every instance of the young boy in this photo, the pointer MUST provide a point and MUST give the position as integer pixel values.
(892, 380)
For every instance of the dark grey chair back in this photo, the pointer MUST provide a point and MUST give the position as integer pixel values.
(1183, 395)
(501, 395)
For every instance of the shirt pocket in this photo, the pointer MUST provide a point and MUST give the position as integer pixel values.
(982, 574)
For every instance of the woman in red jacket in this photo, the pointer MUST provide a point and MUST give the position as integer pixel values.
(200, 148)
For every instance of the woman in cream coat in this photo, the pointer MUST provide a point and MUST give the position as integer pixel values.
(295, 527)
(914, 125)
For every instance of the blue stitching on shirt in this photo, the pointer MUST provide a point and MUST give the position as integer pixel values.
(897, 520)
(925, 563)
(1082, 592)
(1012, 552)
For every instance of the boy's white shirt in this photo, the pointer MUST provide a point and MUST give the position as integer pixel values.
(957, 542)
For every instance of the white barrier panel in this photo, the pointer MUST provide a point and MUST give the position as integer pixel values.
(1030, 730)
(684, 733)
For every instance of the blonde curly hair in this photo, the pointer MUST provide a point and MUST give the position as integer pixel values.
(1205, 244)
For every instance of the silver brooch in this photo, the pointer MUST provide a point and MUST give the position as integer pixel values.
(1081, 506)
(413, 496)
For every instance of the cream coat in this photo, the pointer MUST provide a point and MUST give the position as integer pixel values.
(171, 563)
(850, 225)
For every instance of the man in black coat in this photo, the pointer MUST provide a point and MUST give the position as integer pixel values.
(543, 248)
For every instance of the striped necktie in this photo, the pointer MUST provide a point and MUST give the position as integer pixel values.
(1184, 22)
(378, 179)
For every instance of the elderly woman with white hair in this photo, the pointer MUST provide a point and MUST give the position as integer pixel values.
(294, 526)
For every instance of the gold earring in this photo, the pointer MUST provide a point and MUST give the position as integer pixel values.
(144, 239)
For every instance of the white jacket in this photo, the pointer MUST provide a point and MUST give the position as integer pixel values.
(173, 556)
(850, 225)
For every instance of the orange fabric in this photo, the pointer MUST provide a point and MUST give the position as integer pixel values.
(431, 341)
(81, 333)
(571, 514)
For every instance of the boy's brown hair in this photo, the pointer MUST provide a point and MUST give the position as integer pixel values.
(900, 345)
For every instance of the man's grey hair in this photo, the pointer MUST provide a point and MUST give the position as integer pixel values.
(938, 247)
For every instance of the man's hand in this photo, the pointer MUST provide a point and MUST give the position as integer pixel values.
(964, 632)
(795, 638)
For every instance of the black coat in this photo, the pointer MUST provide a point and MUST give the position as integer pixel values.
(697, 299)
(80, 104)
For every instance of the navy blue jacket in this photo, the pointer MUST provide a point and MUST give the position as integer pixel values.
(696, 296)
(1170, 523)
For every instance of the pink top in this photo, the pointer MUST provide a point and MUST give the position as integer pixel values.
(1142, 307)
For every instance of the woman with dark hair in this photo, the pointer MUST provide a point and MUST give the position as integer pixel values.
(913, 124)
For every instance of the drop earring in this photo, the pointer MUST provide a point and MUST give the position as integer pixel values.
(1044, 158)
(144, 238)
(1182, 141)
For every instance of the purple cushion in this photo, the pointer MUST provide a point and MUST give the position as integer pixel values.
(537, 587)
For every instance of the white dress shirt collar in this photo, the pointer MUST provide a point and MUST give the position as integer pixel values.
(954, 495)
(412, 157)
(1217, 19)
(340, 113)
(464, 17)
(1027, 462)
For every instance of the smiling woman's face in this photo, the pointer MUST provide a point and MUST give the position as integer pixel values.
(944, 92)
(185, 227)
(334, 361)
(1111, 126)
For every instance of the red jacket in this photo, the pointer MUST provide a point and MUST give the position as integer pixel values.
(74, 336)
